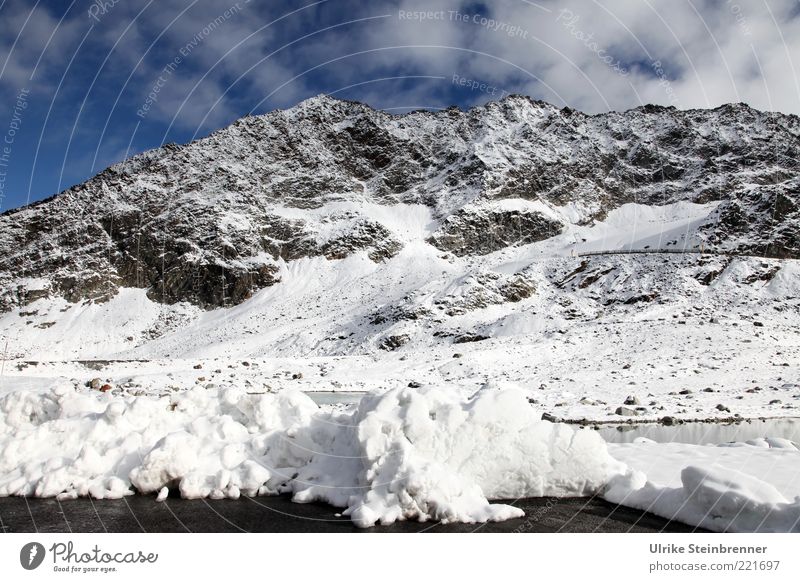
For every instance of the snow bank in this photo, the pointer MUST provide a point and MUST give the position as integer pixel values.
(431, 455)
(715, 498)
(405, 454)
(423, 454)
(738, 487)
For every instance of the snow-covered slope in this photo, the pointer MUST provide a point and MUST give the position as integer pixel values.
(689, 335)
(422, 297)
(210, 222)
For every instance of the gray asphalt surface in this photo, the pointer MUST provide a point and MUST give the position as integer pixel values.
(279, 514)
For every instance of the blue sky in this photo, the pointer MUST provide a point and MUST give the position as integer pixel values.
(86, 83)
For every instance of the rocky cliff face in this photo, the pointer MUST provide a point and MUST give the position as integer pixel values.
(211, 222)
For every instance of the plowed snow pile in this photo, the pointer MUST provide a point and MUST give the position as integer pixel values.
(404, 454)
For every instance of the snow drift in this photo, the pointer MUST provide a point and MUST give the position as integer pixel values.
(425, 454)
(405, 454)
(739, 487)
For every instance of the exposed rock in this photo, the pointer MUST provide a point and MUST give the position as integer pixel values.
(485, 289)
(469, 338)
(482, 231)
(394, 341)
(625, 411)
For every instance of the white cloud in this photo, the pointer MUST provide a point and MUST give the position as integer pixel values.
(709, 52)
(568, 52)
(25, 33)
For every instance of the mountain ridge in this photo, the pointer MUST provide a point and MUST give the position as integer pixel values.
(207, 222)
(175, 145)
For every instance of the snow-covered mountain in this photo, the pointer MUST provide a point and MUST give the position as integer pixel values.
(334, 229)
(158, 319)
(209, 222)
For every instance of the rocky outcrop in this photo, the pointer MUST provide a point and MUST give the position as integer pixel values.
(470, 232)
